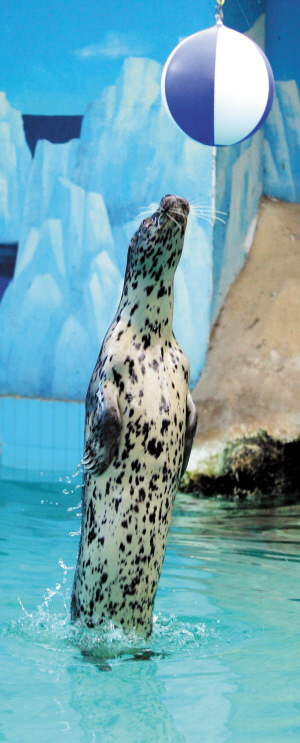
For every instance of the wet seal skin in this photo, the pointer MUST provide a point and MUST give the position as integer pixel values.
(139, 430)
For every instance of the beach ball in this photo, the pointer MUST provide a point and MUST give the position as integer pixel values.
(218, 86)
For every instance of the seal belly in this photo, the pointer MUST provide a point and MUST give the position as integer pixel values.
(128, 509)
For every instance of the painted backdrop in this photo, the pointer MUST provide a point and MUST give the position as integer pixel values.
(84, 81)
(81, 206)
(85, 146)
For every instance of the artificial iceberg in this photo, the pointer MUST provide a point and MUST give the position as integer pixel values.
(15, 161)
(81, 209)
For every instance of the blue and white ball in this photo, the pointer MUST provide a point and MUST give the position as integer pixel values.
(218, 86)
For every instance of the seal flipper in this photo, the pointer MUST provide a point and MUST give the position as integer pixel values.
(104, 432)
(191, 425)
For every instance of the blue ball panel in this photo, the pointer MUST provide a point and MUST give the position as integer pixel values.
(189, 85)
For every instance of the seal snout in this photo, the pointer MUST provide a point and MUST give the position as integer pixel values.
(176, 206)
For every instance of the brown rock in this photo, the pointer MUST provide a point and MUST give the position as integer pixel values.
(251, 379)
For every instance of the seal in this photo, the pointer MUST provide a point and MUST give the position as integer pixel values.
(139, 430)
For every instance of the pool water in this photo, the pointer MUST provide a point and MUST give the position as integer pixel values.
(223, 662)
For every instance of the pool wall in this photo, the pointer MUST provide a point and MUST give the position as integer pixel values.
(40, 440)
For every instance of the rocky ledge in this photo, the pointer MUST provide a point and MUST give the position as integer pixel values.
(247, 444)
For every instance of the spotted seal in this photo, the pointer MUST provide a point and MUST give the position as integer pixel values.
(140, 426)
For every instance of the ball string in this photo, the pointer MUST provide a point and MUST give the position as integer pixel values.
(219, 15)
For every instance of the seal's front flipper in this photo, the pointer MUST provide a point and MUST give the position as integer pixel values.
(191, 425)
(103, 433)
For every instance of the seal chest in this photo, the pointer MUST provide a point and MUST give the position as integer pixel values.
(140, 425)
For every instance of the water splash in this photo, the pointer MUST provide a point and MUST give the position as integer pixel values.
(48, 628)
(79, 470)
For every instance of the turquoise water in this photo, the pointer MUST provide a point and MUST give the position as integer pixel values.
(223, 662)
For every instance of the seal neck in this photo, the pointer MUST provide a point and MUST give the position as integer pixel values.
(148, 308)
(154, 252)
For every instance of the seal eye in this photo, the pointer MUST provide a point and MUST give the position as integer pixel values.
(143, 226)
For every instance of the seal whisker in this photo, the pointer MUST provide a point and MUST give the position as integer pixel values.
(154, 206)
(198, 210)
(218, 219)
(197, 205)
(205, 213)
(211, 222)
(147, 211)
(201, 213)
(213, 218)
(174, 211)
(197, 202)
(158, 211)
(143, 214)
(173, 218)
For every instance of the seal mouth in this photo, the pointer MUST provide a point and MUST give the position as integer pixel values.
(171, 208)
(174, 207)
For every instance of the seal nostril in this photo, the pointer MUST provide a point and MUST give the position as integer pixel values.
(169, 201)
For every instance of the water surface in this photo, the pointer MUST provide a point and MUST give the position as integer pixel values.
(224, 658)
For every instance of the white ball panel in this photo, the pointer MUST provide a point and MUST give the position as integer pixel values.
(241, 87)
